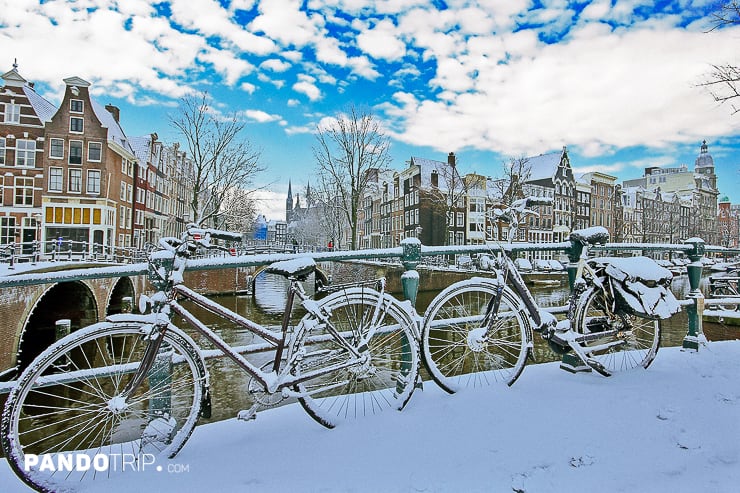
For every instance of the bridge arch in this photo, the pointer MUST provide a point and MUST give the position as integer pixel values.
(71, 300)
(123, 288)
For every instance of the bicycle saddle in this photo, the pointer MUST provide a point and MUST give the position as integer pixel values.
(299, 268)
(591, 236)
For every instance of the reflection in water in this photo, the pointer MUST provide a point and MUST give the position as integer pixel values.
(230, 383)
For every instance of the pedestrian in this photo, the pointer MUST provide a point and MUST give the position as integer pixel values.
(331, 245)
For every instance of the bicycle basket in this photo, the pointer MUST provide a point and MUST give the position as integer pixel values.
(642, 286)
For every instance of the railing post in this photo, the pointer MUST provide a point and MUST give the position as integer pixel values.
(126, 304)
(574, 252)
(12, 256)
(695, 310)
(36, 251)
(62, 328)
(410, 259)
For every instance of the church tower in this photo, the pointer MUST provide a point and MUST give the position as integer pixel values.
(289, 205)
(704, 165)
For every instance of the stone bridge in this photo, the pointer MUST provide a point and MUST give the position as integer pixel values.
(29, 314)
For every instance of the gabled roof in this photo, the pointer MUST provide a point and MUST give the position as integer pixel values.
(13, 79)
(115, 132)
(142, 147)
(426, 166)
(544, 166)
(43, 108)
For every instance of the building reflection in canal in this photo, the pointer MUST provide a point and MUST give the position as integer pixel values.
(230, 384)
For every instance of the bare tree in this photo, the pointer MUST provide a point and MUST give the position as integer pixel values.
(724, 80)
(223, 165)
(238, 210)
(509, 186)
(347, 152)
(447, 199)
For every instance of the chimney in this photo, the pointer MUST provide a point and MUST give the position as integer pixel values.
(113, 110)
(451, 159)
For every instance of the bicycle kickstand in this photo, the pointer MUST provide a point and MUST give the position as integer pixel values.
(247, 414)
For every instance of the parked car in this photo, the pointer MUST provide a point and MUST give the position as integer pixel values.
(556, 265)
(485, 262)
(542, 265)
(464, 262)
(523, 265)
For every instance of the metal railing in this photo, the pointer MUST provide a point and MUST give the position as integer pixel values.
(411, 254)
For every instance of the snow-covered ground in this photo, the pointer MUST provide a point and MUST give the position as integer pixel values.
(673, 428)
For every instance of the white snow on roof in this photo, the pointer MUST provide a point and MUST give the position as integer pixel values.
(544, 166)
(142, 147)
(43, 108)
(115, 131)
(426, 166)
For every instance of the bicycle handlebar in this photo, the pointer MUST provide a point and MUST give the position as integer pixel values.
(218, 234)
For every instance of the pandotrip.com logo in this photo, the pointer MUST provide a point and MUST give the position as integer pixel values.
(83, 462)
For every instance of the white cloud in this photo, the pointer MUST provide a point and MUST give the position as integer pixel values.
(381, 41)
(271, 203)
(275, 65)
(211, 19)
(284, 21)
(643, 93)
(247, 87)
(261, 116)
(306, 86)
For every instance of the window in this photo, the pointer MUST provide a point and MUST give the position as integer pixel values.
(2, 151)
(23, 191)
(123, 191)
(93, 181)
(7, 230)
(76, 124)
(75, 152)
(460, 219)
(25, 153)
(75, 181)
(12, 113)
(55, 179)
(75, 105)
(56, 148)
(94, 151)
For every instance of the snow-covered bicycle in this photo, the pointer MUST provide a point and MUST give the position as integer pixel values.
(133, 387)
(478, 332)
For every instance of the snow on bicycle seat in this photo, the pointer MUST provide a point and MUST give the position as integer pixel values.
(592, 236)
(298, 268)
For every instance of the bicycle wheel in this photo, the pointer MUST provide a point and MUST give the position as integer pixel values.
(455, 347)
(628, 342)
(386, 373)
(65, 423)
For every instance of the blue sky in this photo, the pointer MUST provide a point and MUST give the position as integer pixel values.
(615, 81)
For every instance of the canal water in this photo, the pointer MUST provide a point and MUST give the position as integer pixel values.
(230, 384)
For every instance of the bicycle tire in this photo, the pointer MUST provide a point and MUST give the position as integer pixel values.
(455, 357)
(64, 405)
(639, 337)
(385, 381)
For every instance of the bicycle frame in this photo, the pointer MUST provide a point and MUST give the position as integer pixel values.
(166, 274)
(276, 379)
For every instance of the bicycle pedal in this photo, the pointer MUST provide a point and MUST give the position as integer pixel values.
(247, 415)
(601, 369)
